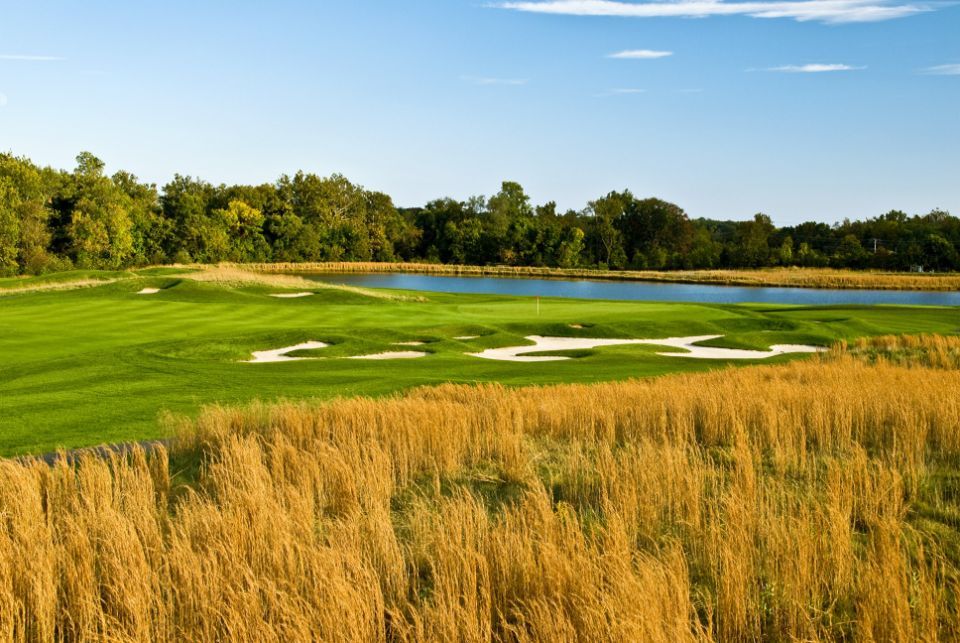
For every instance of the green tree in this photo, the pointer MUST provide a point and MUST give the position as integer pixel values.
(184, 206)
(753, 241)
(9, 228)
(785, 256)
(237, 233)
(100, 229)
(148, 227)
(939, 253)
(571, 248)
(24, 234)
(850, 252)
(606, 212)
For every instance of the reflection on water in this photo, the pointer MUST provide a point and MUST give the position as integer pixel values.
(637, 290)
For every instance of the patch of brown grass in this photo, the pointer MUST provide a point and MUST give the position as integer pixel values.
(236, 275)
(934, 351)
(54, 286)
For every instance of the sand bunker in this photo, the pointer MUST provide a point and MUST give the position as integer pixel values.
(282, 354)
(466, 338)
(149, 291)
(392, 355)
(415, 343)
(557, 344)
(292, 295)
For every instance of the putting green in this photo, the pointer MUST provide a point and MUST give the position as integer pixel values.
(100, 364)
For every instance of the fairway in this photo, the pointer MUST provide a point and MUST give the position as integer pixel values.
(100, 364)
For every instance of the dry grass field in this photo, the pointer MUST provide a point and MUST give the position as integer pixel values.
(815, 500)
(773, 277)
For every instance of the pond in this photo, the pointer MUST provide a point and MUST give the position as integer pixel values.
(636, 290)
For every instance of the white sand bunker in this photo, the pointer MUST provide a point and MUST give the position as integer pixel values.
(291, 295)
(149, 291)
(282, 354)
(467, 338)
(392, 355)
(557, 344)
(414, 343)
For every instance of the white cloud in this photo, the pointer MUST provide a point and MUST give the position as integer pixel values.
(830, 11)
(29, 58)
(3, 100)
(640, 54)
(943, 70)
(495, 81)
(813, 68)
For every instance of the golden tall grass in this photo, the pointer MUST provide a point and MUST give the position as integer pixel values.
(778, 277)
(28, 287)
(226, 274)
(936, 351)
(816, 500)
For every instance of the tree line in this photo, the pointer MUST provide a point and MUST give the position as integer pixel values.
(53, 220)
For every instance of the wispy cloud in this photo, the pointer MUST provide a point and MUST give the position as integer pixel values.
(640, 54)
(952, 69)
(814, 68)
(486, 80)
(829, 11)
(29, 58)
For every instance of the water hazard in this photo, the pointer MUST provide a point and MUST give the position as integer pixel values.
(637, 290)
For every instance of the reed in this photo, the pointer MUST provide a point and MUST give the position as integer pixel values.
(816, 500)
(776, 277)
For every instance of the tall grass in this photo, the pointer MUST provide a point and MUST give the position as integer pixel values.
(32, 286)
(816, 500)
(238, 275)
(779, 277)
(936, 351)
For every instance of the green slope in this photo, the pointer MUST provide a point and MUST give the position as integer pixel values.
(100, 364)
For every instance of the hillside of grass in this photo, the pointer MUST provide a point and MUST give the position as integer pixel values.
(87, 365)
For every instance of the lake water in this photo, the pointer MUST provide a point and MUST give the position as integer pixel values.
(636, 290)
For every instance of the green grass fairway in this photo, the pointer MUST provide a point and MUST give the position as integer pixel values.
(100, 364)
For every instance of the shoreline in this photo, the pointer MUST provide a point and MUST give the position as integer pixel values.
(814, 278)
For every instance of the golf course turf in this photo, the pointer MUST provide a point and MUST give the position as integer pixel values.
(101, 363)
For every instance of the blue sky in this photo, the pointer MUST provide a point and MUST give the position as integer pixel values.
(430, 98)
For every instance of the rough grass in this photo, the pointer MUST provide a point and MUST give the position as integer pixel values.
(235, 275)
(777, 277)
(815, 500)
(60, 281)
(935, 351)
